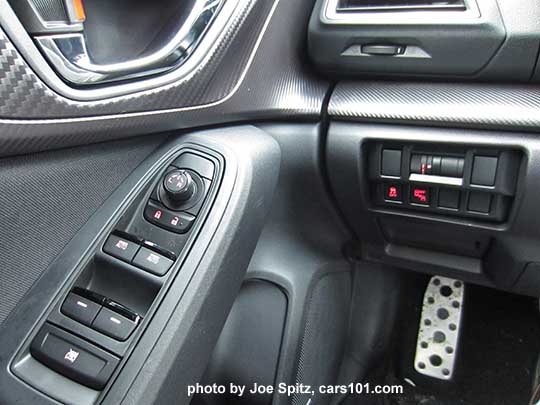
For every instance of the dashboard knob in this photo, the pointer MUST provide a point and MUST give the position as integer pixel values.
(179, 185)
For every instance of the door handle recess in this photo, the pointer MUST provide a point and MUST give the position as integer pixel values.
(68, 52)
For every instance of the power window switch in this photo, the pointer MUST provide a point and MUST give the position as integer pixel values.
(121, 248)
(153, 262)
(79, 308)
(113, 324)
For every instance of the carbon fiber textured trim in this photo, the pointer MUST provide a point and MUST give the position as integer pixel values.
(277, 84)
(501, 106)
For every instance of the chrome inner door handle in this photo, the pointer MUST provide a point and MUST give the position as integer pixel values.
(69, 55)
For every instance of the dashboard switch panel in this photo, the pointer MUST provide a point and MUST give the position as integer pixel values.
(447, 180)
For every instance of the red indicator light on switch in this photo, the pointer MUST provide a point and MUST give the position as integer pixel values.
(392, 192)
(157, 215)
(420, 194)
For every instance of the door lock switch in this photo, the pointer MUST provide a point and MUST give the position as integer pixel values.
(178, 222)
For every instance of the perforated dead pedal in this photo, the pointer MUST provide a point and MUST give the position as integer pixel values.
(438, 334)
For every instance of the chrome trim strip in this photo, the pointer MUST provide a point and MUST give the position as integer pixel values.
(331, 15)
(427, 178)
(69, 55)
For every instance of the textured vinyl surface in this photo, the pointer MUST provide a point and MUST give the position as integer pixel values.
(277, 84)
(510, 106)
(45, 198)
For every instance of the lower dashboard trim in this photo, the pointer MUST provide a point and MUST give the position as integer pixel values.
(496, 106)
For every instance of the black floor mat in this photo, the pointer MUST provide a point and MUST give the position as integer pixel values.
(498, 349)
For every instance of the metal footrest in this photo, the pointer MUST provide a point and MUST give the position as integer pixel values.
(438, 334)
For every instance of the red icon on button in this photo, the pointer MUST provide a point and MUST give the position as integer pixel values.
(392, 192)
(420, 195)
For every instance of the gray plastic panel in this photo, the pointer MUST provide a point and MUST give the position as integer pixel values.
(455, 43)
(302, 238)
(501, 106)
(247, 351)
(186, 326)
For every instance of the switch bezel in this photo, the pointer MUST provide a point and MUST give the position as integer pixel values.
(502, 191)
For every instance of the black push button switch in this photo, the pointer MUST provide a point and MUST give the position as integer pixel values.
(479, 202)
(79, 308)
(153, 262)
(449, 198)
(420, 195)
(113, 324)
(391, 163)
(484, 170)
(392, 192)
(73, 357)
(121, 248)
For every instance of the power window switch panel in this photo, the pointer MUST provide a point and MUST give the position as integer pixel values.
(73, 357)
(153, 262)
(113, 324)
(121, 248)
(79, 308)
